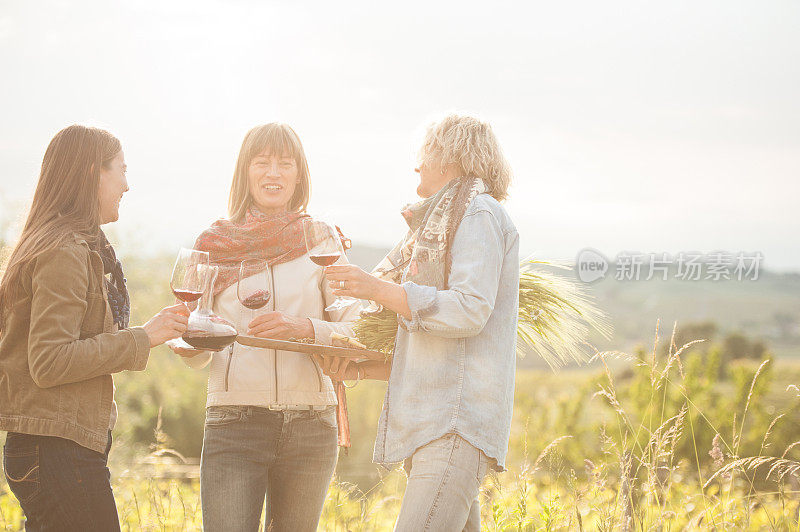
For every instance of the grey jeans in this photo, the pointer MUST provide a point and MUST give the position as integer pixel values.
(251, 452)
(444, 480)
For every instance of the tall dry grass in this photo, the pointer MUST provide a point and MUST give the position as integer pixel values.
(655, 441)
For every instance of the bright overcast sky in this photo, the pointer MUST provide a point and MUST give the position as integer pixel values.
(664, 127)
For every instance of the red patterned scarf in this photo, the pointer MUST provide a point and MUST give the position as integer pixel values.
(275, 238)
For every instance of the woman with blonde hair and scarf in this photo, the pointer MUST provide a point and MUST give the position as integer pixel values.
(271, 420)
(454, 283)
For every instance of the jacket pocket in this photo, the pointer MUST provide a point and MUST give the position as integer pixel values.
(69, 399)
(94, 319)
(22, 472)
(299, 373)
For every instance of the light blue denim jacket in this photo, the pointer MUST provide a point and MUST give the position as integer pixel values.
(454, 362)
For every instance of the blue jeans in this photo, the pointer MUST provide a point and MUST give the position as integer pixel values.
(59, 484)
(444, 480)
(251, 452)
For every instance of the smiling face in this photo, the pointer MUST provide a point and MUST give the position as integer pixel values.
(271, 181)
(113, 184)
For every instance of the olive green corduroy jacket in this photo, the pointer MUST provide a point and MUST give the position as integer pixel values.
(59, 347)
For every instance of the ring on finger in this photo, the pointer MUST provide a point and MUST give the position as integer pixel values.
(341, 285)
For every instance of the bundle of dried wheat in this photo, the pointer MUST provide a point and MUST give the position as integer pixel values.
(555, 316)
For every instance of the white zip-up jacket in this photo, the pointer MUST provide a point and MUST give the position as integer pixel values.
(242, 375)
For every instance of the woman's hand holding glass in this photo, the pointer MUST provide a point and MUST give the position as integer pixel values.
(170, 323)
(351, 281)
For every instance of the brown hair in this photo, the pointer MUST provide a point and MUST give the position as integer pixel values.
(65, 202)
(278, 139)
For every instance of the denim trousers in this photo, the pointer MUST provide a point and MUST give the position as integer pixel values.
(444, 480)
(59, 484)
(249, 453)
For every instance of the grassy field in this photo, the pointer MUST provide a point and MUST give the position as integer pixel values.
(657, 439)
(655, 444)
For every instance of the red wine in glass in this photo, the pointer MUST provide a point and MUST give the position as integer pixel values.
(187, 296)
(256, 300)
(252, 286)
(322, 242)
(325, 259)
(187, 279)
(324, 248)
(208, 342)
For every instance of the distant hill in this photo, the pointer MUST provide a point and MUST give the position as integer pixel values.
(767, 308)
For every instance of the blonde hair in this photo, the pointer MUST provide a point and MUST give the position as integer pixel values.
(65, 202)
(470, 144)
(278, 139)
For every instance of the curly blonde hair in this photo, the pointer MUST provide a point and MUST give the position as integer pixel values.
(471, 144)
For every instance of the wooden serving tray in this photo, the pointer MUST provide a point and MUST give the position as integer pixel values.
(312, 349)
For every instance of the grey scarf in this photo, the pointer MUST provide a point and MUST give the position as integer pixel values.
(425, 250)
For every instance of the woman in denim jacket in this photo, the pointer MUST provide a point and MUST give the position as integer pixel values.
(454, 283)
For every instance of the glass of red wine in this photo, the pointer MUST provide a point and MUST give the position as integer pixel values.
(252, 289)
(325, 248)
(187, 279)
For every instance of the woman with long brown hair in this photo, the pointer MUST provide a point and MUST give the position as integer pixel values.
(64, 312)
